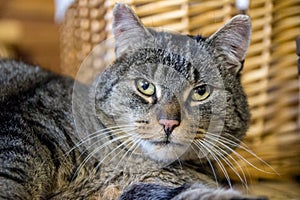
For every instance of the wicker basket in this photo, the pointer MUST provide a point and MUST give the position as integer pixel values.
(6, 51)
(271, 81)
(82, 30)
(3, 51)
(270, 74)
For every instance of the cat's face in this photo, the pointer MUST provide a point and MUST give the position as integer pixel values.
(172, 96)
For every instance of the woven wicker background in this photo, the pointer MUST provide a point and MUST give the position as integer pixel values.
(6, 51)
(82, 30)
(270, 73)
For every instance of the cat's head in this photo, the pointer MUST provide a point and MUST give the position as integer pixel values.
(174, 96)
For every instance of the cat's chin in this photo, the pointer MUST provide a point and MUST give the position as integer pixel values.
(165, 152)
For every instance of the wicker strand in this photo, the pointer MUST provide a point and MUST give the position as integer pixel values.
(81, 32)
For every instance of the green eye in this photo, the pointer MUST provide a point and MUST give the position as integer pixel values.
(145, 87)
(201, 92)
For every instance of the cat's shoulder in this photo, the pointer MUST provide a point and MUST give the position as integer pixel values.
(13, 70)
(17, 77)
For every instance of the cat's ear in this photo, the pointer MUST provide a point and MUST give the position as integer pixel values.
(127, 28)
(232, 41)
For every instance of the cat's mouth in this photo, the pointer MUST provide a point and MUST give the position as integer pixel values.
(165, 142)
(164, 151)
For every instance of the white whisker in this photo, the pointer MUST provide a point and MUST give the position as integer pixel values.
(112, 151)
(132, 145)
(225, 140)
(137, 145)
(96, 134)
(109, 129)
(90, 155)
(102, 139)
(223, 155)
(208, 159)
(209, 150)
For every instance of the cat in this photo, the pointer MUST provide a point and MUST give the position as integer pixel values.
(151, 126)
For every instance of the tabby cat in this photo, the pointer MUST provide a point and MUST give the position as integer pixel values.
(151, 126)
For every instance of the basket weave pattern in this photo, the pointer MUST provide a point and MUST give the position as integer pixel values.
(83, 28)
(270, 71)
(4, 51)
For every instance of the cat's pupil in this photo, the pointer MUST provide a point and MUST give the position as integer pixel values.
(201, 90)
(145, 85)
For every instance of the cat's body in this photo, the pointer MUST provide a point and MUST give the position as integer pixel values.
(35, 122)
(146, 117)
(37, 132)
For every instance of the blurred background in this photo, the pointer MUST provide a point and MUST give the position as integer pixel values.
(28, 32)
(270, 76)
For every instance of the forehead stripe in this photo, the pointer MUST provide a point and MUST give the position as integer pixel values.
(177, 62)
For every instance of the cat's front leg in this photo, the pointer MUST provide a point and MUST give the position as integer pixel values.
(202, 192)
(147, 191)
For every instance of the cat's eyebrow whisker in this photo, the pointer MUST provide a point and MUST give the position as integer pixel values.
(212, 153)
(199, 146)
(225, 140)
(223, 155)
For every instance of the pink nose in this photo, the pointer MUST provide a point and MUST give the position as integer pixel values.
(168, 124)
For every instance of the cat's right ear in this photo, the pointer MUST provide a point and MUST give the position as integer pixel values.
(232, 41)
(127, 28)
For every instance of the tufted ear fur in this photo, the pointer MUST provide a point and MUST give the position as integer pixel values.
(232, 41)
(127, 28)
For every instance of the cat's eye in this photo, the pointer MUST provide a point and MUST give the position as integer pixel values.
(145, 87)
(201, 92)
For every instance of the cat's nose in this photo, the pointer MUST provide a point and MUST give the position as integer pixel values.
(169, 125)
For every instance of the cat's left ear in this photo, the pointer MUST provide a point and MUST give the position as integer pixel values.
(232, 41)
(127, 28)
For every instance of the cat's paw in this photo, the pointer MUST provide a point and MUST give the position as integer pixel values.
(250, 198)
(200, 192)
